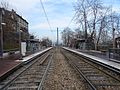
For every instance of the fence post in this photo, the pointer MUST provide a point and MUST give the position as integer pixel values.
(109, 53)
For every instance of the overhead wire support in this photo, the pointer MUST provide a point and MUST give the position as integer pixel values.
(45, 14)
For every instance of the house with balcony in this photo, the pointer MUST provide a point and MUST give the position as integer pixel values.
(13, 32)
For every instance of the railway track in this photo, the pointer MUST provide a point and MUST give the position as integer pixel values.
(29, 77)
(95, 76)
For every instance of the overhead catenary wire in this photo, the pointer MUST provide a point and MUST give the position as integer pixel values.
(45, 15)
(71, 20)
(52, 34)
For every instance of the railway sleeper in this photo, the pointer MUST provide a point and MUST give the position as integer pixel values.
(108, 87)
(93, 75)
(89, 72)
(104, 84)
(105, 81)
(23, 88)
(86, 68)
(96, 78)
(83, 66)
(23, 84)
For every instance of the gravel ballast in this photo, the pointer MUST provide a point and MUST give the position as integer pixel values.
(62, 77)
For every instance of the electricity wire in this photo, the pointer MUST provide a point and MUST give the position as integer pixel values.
(45, 14)
(71, 19)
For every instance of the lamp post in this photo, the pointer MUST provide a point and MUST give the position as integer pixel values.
(1, 33)
(113, 37)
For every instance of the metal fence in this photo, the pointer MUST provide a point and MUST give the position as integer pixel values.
(114, 53)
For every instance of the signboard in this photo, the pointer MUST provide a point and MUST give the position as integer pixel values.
(23, 48)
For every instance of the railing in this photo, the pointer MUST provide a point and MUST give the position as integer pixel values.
(114, 53)
(16, 49)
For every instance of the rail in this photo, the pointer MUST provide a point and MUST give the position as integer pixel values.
(39, 60)
(96, 75)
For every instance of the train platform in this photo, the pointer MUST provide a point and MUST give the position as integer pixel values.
(100, 54)
(6, 65)
(98, 59)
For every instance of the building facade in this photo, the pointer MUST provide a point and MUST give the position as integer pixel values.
(13, 32)
(22, 28)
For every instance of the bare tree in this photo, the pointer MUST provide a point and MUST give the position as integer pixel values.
(96, 9)
(46, 42)
(95, 17)
(88, 15)
(113, 26)
(67, 36)
(82, 8)
(5, 5)
(102, 23)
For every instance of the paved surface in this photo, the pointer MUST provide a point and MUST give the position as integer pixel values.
(103, 55)
(96, 53)
(7, 63)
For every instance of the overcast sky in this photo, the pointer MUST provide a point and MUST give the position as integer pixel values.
(59, 12)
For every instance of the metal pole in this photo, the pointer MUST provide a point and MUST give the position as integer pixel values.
(20, 44)
(113, 37)
(1, 36)
(57, 37)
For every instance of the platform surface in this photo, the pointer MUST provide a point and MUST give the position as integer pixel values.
(7, 65)
(108, 62)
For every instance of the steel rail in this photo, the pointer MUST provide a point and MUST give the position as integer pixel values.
(81, 74)
(10, 82)
(99, 68)
(45, 73)
(97, 62)
(19, 66)
(102, 65)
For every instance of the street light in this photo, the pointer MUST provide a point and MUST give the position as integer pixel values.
(113, 37)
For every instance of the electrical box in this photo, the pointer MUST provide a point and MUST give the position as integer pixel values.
(23, 48)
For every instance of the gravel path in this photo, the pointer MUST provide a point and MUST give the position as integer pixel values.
(63, 76)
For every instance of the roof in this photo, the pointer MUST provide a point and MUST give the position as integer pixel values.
(33, 40)
(22, 18)
(15, 12)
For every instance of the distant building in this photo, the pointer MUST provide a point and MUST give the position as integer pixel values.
(33, 45)
(83, 44)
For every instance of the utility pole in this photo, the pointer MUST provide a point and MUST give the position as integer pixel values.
(1, 35)
(1, 32)
(113, 29)
(113, 37)
(57, 37)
